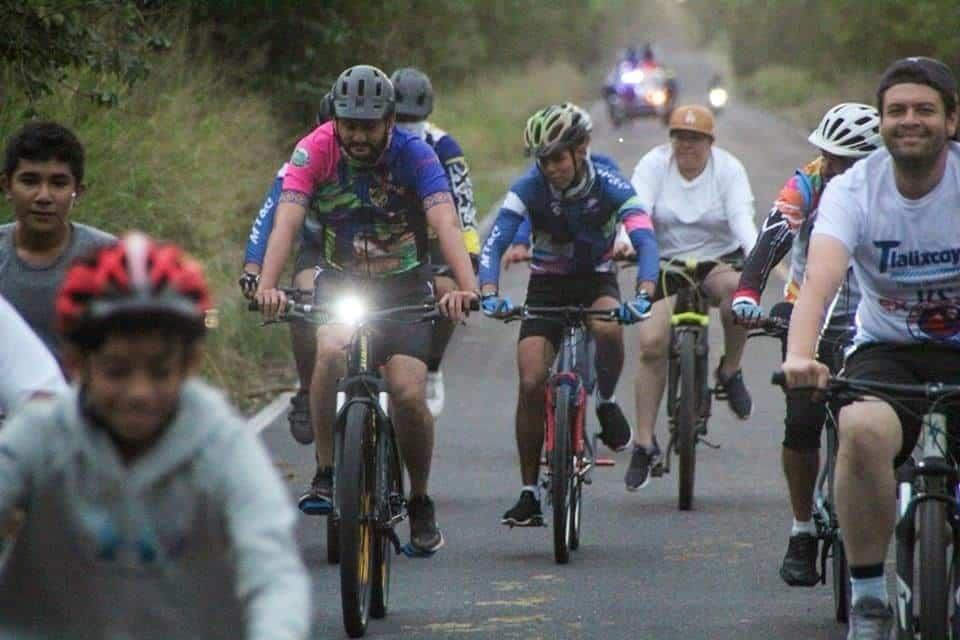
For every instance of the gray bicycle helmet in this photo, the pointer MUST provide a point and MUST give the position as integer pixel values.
(363, 92)
(325, 112)
(414, 93)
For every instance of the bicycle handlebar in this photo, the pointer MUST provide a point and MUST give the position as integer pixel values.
(322, 313)
(837, 385)
(561, 314)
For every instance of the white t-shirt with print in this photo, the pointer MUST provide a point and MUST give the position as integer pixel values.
(905, 253)
(704, 218)
(26, 365)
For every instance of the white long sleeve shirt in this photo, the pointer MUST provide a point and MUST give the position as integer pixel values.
(704, 218)
(26, 365)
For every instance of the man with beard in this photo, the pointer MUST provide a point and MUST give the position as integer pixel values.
(896, 215)
(372, 190)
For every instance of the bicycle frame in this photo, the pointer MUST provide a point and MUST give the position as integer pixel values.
(568, 370)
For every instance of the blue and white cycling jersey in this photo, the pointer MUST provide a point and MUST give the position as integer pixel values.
(572, 236)
(263, 223)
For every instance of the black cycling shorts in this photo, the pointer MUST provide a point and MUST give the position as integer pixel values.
(669, 283)
(908, 364)
(392, 337)
(308, 257)
(564, 290)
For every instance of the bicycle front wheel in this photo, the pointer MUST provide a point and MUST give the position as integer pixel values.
(841, 581)
(561, 473)
(356, 490)
(390, 492)
(687, 413)
(933, 585)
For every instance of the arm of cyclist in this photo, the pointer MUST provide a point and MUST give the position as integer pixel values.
(504, 230)
(519, 250)
(442, 217)
(773, 243)
(738, 203)
(639, 228)
(827, 262)
(27, 368)
(271, 581)
(461, 185)
(291, 213)
(259, 235)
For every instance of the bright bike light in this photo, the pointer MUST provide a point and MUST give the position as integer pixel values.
(718, 97)
(634, 76)
(349, 310)
(657, 97)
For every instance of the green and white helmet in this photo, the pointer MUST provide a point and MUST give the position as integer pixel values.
(556, 127)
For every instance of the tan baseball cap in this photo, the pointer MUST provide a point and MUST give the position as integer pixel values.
(692, 117)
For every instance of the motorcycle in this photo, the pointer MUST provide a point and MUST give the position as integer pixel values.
(639, 91)
(717, 96)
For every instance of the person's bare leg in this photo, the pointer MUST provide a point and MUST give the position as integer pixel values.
(534, 355)
(870, 437)
(800, 468)
(443, 329)
(653, 338)
(406, 381)
(609, 341)
(329, 367)
(720, 284)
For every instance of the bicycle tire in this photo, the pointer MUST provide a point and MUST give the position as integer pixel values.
(841, 582)
(356, 493)
(561, 473)
(933, 588)
(688, 402)
(333, 539)
(390, 484)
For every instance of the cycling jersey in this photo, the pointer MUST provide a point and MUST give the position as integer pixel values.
(789, 224)
(26, 366)
(263, 223)
(194, 539)
(371, 220)
(575, 235)
(905, 252)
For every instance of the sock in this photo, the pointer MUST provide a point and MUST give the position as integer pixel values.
(868, 582)
(602, 400)
(806, 526)
(535, 489)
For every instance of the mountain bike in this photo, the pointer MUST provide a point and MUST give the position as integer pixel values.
(368, 475)
(570, 454)
(927, 531)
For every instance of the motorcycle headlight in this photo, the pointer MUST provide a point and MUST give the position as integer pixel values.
(349, 310)
(718, 97)
(634, 76)
(657, 97)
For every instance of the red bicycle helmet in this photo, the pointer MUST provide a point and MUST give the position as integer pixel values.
(136, 277)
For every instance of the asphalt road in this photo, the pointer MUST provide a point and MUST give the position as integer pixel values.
(644, 570)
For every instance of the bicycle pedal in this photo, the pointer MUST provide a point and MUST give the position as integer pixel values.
(657, 470)
(412, 552)
(712, 445)
(605, 462)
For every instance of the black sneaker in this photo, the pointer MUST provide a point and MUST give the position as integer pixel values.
(615, 430)
(425, 535)
(526, 513)
(301, 427)
(642, 463)
(799, 568)
(870, 619)
(318, 500)
(734, 391)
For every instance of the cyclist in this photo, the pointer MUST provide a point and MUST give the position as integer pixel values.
(414, 106)
(29, 369)
(847, 132)
(159, 508)
(303, 342)
(700, 200)
(895, 215)
(43, 179)
(372, 190)
(573, 206)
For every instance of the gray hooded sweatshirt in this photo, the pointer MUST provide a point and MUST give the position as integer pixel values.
(192, 540)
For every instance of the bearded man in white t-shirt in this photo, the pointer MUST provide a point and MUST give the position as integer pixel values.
(896, 214)
(700, 200)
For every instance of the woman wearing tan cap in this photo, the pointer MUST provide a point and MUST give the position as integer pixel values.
(700, 200)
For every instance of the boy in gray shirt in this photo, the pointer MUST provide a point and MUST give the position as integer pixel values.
(42, 178)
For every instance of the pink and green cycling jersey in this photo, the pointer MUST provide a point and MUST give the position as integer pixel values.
(371, 220)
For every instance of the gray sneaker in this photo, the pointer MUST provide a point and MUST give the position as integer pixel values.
(870, 619)
(301, 427)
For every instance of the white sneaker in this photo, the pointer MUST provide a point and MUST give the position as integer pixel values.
(435, 392)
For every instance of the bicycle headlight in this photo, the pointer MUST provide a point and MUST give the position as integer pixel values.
(349, 310)
(633, 76)
(657, 97)
(718, 97)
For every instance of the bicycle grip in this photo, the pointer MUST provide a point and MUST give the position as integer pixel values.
(474, 305)
(253, 305)
(779, 378)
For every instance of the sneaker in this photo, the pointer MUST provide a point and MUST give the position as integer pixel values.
(435, 392)
(318, 500)
(615, 430)
(425, 535)
(642, 463)
(735, 392)
(870, 619)
(301, 427)
(799, 568)
(526, 513)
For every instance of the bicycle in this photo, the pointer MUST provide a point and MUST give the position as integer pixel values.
(368, 476)
(689, 394)
(927, 531)
(569, 454)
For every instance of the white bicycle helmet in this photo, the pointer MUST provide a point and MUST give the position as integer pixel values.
(850, 129)
(556, 127)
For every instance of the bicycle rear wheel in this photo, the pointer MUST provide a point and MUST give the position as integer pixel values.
(561, 473)
(933, 587)
(687, 405)
(390, 492)
(356, 489)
